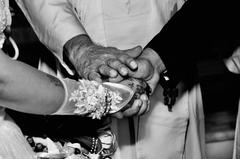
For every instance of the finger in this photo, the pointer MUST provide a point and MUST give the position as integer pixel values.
(134, 109)
(107, 71)
(117, 65)
(148, 108)
(129, 61)
(130, 54)
(144, 106)
(94, 76)
(145, 69)
(116, 79)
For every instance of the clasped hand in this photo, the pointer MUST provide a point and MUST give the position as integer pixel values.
(94, 62)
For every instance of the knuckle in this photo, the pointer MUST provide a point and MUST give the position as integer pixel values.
(124, 57)
(112, 61)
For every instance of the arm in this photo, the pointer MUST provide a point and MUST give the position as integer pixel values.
(196, 34)
(25, 89)
(194, 44)
(51, 18)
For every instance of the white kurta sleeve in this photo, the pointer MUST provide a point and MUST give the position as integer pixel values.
(53, 21)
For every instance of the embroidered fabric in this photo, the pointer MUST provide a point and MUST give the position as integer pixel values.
(5, 19)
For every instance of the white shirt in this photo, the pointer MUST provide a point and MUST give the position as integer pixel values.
(122, 24)
(119, 23)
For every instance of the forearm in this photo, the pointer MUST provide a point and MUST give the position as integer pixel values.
(26, 89)
(173, 43)
(193, 36)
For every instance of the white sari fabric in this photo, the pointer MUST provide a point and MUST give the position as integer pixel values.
(13, 144)
(125, 24)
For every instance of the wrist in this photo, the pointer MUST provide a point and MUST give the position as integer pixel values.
(76, 46)
(65, 100)
(156, 60)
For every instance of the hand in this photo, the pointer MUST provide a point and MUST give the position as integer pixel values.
(233, 62)
(158, 64)
(150, 66)
(144, 71)
(139, 103)
(95, 62)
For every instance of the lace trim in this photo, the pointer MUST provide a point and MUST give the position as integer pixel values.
(5, 19)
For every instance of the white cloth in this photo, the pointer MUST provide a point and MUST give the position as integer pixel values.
(236, 150)
(13, 145)
(236, 69)
(123, 24)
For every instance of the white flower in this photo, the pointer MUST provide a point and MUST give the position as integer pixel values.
(93, 99)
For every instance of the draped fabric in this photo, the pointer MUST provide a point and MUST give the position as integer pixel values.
(236, 151)
(13, 144)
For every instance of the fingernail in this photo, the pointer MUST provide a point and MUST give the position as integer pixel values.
(113, 73)
(139, 103)
(133, 64)
(144, 97)
(124, 71)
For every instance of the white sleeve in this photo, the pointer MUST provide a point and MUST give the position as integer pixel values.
(53, 21)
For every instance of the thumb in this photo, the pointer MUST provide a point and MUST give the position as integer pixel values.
(134, 52)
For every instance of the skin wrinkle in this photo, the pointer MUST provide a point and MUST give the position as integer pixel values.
(96, 62)
(91, 59)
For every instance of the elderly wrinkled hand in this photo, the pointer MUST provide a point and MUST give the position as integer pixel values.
(95, 62)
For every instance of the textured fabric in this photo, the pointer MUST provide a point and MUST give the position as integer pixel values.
(5, 19)
(12, 142)
(195, 140)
